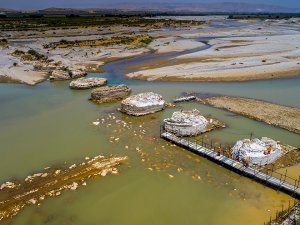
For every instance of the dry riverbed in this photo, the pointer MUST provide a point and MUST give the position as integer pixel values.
(259, 51)
(234, 54)
(80, 49)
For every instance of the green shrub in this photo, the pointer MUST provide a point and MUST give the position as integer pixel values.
(35, 54)
(3, 42)
(18, 52)
(147, 41)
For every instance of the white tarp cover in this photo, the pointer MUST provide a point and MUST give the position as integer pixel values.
(254, 150)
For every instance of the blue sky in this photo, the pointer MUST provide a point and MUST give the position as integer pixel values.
(37, 4)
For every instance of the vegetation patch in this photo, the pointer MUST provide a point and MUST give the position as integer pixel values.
(30, 55)
(125, 40)
(50, 22)
(231, 46)
(3, 42)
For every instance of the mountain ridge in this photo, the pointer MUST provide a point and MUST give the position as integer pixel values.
(222, 7)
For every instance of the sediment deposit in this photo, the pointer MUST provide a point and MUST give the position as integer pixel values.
(15, 195)
(274, 114)
(258, 51)
(230, 59)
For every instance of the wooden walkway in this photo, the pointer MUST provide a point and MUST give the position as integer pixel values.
(278, 184)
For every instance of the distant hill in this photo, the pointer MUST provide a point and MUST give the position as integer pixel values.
(62, 11)
(3, 10)
(224, 7)
(229, 7)
(76, 10)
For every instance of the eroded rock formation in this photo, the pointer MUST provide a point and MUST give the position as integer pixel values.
(86, 83)
(66, 74)
(190, 123)
(110, 93)
(15, 195)
(143, 104)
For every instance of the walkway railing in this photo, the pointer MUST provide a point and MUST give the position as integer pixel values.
(276, 180)
(289, 215)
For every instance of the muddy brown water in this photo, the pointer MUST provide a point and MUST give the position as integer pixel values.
(49, 124)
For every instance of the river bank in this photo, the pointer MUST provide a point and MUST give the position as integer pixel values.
(230, 59)
(206, 52)
(277, 115)
(85, 48)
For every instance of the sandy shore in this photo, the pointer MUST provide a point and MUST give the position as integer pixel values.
(173, 44)
(89, 59)
(230, 59)
(281, 116)
(22, 74)
(258, 73)
(258, 51)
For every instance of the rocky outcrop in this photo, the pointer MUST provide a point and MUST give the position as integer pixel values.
(60, 75)
(110, 93)
(143, 104)
(258, 151)
(186, 123)
(34, 189)
(44, 66)
(77, 73)
(86, 83)
(66, 74)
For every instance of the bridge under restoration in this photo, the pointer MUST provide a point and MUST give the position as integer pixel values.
(209, 152)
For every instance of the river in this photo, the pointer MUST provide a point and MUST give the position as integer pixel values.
(49, 124)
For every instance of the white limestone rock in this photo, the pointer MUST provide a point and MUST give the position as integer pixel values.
(73, 186)
(143, 104)
(60, 75)
(86, 83)
(186, 123)
(77, 73)
(32, 201)
(8, 184)
(66, 74)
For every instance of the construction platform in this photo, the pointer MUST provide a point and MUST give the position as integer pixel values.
(279, 184)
